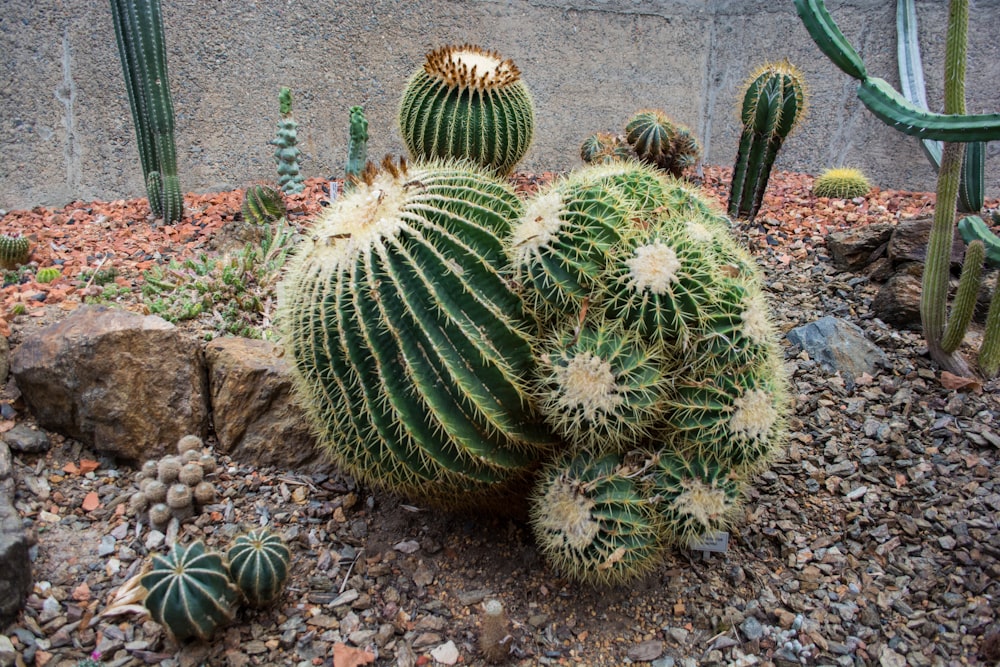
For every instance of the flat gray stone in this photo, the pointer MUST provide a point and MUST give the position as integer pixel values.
(838, 346)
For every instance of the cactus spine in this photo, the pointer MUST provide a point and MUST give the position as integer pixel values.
(287, 152)
(142, 51)
(357, 147)
(954, 127)
(258, 564)
(657, 140)
(410, 348)
(14, 250)
(189, 591)
(468, 102)
(694, 497)
(844, 183)
(262, 205)
(772, 105)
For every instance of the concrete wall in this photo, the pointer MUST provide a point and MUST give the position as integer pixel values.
(66, 131)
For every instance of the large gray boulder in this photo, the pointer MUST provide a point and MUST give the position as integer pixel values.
(125, 384)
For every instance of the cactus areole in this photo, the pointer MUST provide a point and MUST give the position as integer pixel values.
(410, 348)
(467, 102)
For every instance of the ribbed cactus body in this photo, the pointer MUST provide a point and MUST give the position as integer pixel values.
(286, 157)
(593, 522)
(772, 105)
(604, 147)
(467, 102)
(258, 564)
(357, 147)
(412, 351)
(657, 140)
(844, 183)
(971, 187)
(189, 591)
(14, 250)
(262, 205)
(694, 496)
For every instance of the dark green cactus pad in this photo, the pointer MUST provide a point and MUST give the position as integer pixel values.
(262, 205)
(467, 102)
(412, 352)
(189, 591)
(258, 564)
(694, 496)
(14, 251)
(592, 522)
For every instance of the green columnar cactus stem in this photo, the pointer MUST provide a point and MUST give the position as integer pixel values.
(657, 140)
(357, 148)
(971, 187)
(965, 299)
(695, 496)
(262, 205)
(410, 350)
(989, 351)
(141, 49)
(258, 563)
(189, 591)
(287, 152)
(14, 250)
(844, 183)
(598, 386)
(973, 228)
(467, 102)
(772, 105)
(592, 521)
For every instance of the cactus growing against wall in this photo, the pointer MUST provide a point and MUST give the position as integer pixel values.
(410, 349)
(773, 103)
(357, 147)
(658, 140)
(141, 49)
(468, 102)
(605, 147)
(287, 152)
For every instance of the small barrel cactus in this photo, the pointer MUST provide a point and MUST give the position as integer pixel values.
(47, 274)
(694, 497)
(258, 564)
(843, 183)
(657, 140)
(14, 251)
(468, 102)
(592, 521)
(410, 349)
(189, 591)
(262, 205)
(605, 147)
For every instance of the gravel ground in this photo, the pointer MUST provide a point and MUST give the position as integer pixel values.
(872, 539)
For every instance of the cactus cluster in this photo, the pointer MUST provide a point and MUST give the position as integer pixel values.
(843, 183)
(14, 250)
(652, 137)
(175, 486)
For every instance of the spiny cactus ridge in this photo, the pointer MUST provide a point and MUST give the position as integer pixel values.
(843, 183)
(656, 139)
(262, 205)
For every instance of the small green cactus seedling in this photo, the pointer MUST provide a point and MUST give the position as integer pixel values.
(593, 522)
(658, 141)
(262, 205)
(189, 591)
(48, 275)
(14, 250)
(468, 102)
(258, 563)
(605, 147)
(842, 183)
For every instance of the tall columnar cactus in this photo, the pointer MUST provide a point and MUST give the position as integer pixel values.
(955, 128)
(141, 48)
(287, 152)
(189, 591)
(411, 351)
(262, 205)
(14, 250)
(357, 147)
(772, 105)
(258, 564)
(658, 140)
(593, 522)
(468, 102)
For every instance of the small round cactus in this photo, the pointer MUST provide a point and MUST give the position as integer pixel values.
(694, 496)
(605, 147)
(47, 275)
(168, 469)
(657, 140)
(191, 474)
(468, 102)
(189, 443)
(189, 591)
(262, 205)
(258, 563)
(14, 251)
(842, 183)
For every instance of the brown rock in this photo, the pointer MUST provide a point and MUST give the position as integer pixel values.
(854, 249)
(898, 300)
(256, 417)
(909, 243)
(15, 565)
(125, 384)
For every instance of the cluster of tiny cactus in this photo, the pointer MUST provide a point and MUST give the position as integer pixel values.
(192, 590)
(175, 486)
(650, 136)
(287, 152)
(842, 183)
(14, 250)
(262, 205)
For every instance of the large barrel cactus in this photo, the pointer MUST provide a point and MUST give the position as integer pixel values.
(468, 102)
(412, 353)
